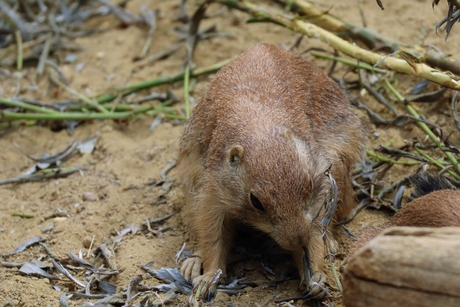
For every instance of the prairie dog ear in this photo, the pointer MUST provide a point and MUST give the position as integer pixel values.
(235, 155)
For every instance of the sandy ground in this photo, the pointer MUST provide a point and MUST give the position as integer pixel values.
(128, 156)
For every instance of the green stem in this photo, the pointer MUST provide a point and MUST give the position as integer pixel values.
(388, 160)
(162, 80)
(26, 106)
(336, 277)
(72, 115)
(79, 96)
(24, 215)
(109, 106)
(437, 163)
(17, 33)
(424, 126)
(348, 62)
(186, 91)
(8, 125)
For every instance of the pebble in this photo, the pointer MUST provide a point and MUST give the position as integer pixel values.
(100, 55)
(88, 196)
(14, 303)
(222, 296)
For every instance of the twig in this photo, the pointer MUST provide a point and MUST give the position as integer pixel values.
(42, 175)
(333, 24)
(425, 128)
(18, 35)
(78, 95)
(370, 38)
(312, 31)
(162, 80)
(437, 163)
(453, 107)
(44, 56)
(376, 156)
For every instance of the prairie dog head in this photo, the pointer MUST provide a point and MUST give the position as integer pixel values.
(276, 183)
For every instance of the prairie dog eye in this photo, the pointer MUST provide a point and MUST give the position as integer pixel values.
(256, 202)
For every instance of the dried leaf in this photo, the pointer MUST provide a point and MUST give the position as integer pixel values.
(62, 156)
(63, 301)
(81, 261)
(67, 274)
(26, 244)
(107, 287)
(87, 146)
(30, 268)
(132, 290)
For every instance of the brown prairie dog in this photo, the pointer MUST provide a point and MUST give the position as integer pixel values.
(255, 152)
(436, 204)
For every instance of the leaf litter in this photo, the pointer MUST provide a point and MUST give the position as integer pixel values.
(87, 275)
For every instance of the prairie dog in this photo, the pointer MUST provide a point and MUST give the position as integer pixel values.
(255, 151)
(435, 203)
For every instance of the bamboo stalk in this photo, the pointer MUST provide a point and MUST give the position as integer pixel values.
(356, 64)
(367, 36)
(312, 31)
(331, 23)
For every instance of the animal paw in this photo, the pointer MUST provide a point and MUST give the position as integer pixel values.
(332, 246)
(205, 286)
(316, 288)
(191, 267)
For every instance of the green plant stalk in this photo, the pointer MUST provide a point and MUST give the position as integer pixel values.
(348, 62)
(426, 156)
(72, 115)
(376, 156)
(186, 92)
(19, 61)
(83, 98)
(8, 125)
(44, 56)
(117, 108)
(24, 215)
(26, 106)
(312, 31)
(161, 81)
(336, 277)
(424, 126)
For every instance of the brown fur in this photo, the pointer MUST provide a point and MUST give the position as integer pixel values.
(437, 209)
(270, 124)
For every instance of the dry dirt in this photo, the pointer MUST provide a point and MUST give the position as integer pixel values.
(128, 155)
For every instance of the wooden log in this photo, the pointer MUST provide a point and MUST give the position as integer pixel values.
(406, 266)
